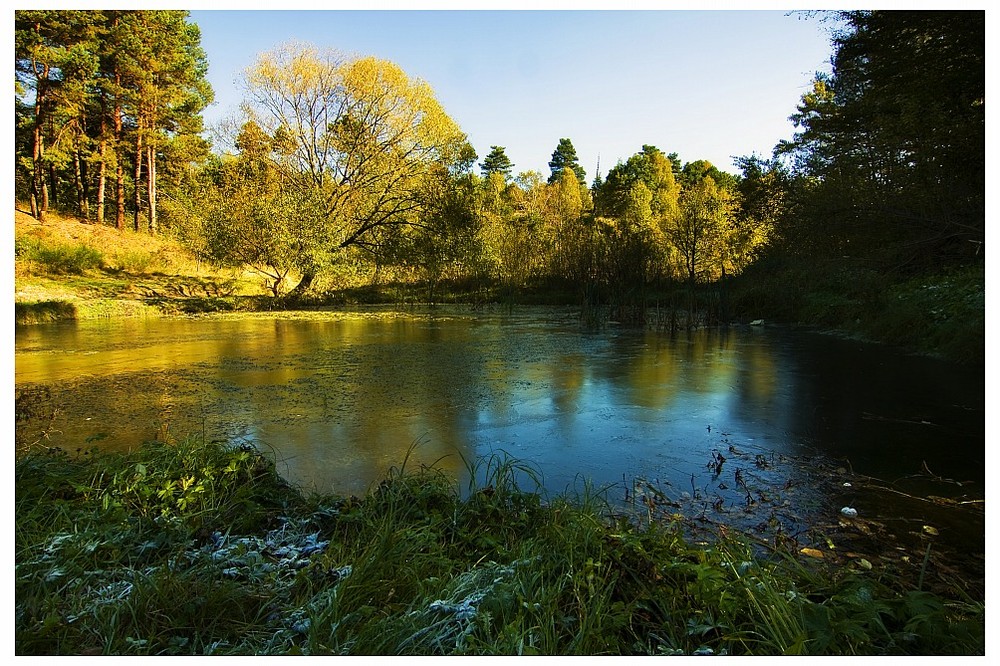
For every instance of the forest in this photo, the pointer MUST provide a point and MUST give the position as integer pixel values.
(345, 172)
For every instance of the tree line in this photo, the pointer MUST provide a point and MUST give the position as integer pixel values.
(343, 159)
(887, 166)
(346, 163)
(107, 106)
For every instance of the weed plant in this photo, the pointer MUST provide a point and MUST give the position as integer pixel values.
(189, 548)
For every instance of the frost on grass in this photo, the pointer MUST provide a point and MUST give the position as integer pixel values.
(271, 560)
(444, 625)
(281, 552)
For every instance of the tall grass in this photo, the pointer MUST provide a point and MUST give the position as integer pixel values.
(191, 548)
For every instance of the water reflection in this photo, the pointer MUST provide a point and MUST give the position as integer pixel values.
(341, 397)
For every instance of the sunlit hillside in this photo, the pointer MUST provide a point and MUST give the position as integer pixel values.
(64, 268)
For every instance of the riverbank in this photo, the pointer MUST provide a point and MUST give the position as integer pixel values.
(67, 270)
(941, 313)
(185, 548)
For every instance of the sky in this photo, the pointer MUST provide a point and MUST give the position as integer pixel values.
(705, 84)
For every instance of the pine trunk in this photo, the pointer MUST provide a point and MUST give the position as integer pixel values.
(119, 174)
(138, 177)
(151, 185)
(39, 196)
(102, 175)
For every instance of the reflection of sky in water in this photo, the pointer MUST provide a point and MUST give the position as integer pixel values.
(340, 398)
(642, 406)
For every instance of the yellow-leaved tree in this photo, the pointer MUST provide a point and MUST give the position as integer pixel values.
(355, 133)
(702, 231)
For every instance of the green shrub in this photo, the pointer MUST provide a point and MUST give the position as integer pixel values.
(44, 311)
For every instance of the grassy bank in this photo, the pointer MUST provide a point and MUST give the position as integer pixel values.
(66, 269)
(184, 548)
(940, 313)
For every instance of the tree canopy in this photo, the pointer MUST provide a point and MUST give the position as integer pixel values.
(102, 92)
(895, 136)
(651, 168)
(357, 133)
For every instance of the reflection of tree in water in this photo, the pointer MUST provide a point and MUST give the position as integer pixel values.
(344, 401)
(885, 412)
(341, 398)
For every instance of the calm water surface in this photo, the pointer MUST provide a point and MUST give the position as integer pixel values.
(340, 397)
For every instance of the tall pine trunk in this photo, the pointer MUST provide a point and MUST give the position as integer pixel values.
(138, 176)
(39, 193)
(102, 176)
(151, 185)
(119, 172)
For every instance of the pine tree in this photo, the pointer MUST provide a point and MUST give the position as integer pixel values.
(102, 92)
(497, 162)
(564, 157)
(53, 66)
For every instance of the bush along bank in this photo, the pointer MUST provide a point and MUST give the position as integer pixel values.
(190, 549)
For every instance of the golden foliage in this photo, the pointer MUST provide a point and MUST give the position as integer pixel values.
(359, 133)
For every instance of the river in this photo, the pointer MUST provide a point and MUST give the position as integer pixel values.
(340, 397)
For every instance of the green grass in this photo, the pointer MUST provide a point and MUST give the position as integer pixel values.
(944, 312)
(186, 548)
(67, 270)
(57, 258)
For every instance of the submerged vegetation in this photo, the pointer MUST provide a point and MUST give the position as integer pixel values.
(186, 548)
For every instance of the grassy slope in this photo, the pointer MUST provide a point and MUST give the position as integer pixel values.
(67, 269)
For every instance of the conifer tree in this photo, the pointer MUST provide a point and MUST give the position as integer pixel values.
(117, 91)
(497, 162)
(564, 157)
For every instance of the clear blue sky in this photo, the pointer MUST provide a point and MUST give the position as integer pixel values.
(705, 84)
